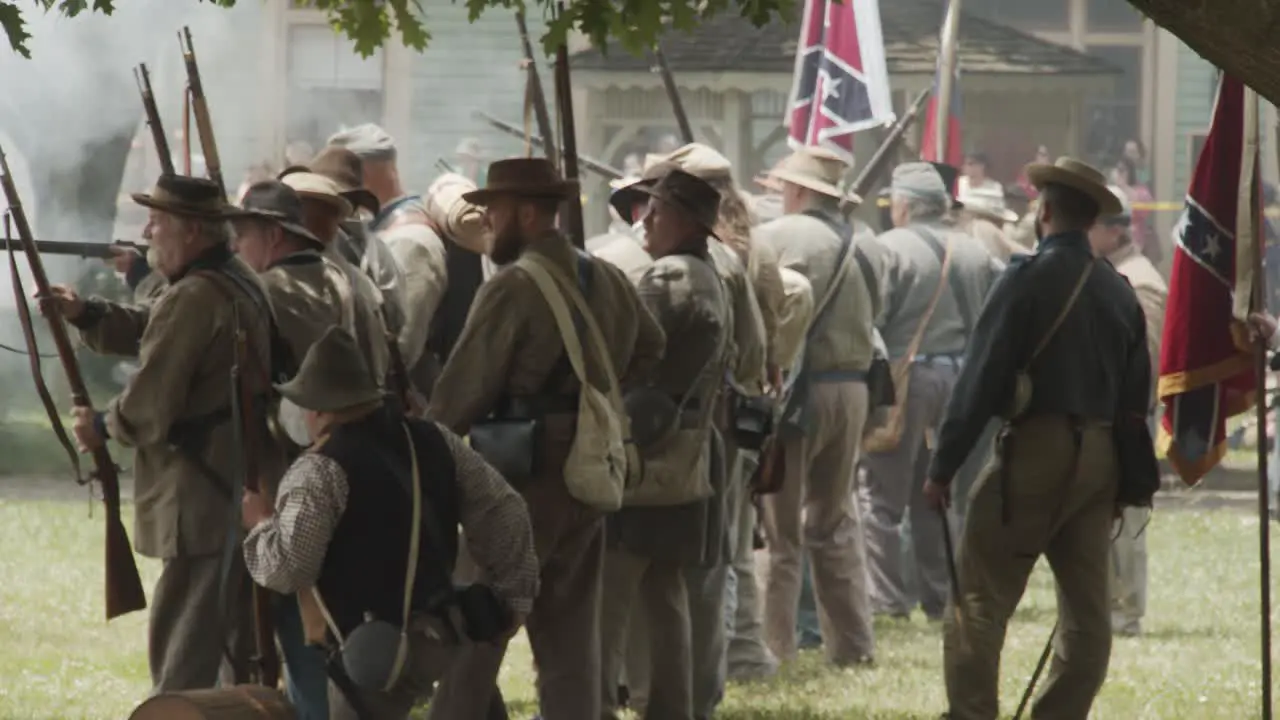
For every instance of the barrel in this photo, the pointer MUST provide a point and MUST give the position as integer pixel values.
(242, 702)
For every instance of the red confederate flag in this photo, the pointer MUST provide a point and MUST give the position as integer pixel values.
(841, 81)
(1206, 365)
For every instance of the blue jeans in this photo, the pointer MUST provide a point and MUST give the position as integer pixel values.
(808, 631)
(307, 683)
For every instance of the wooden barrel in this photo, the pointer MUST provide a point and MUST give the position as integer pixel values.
(242, 702)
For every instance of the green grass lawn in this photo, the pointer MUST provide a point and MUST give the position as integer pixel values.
(1199, 659)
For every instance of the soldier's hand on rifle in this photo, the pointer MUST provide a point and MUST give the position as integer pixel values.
(122, 258)
(1263, 326)
(937, 495)
(62, 300)
(254, 508)
(86, 432)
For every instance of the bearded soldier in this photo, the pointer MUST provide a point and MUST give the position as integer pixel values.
(176, 413)
(510, 367)
(1060, 353)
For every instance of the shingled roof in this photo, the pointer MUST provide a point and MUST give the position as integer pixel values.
(732, 44)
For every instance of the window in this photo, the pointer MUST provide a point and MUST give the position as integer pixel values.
(1026, 15)
(1111, 121)
(328, 85)
(1112, 16)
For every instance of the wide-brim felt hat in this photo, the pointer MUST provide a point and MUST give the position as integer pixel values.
(629, 191)
(314, 186)
(347, 170)
(276, 202)
(692, 195)
(988, 204)
(186, 196)
(1079, 176)
(333, 376)
(522, 177)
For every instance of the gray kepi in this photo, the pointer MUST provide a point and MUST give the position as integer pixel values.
(334, 377)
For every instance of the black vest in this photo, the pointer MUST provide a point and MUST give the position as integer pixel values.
(364, 567)
(465, 271)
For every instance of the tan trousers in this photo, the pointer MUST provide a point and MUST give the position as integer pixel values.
(188, 641)
(563, 628)
(816, 511)
(747, 655)
(636, 586)
(1061, 487)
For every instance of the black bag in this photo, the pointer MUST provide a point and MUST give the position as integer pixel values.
(880, 389)
(752, 420)
(511, 444)
(1139, 469)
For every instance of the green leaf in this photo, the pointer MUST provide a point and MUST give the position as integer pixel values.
(15, 28)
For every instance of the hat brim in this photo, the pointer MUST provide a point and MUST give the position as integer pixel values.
(562, 190)
(624, 197)
(332, 399)
(804, 181)
(337, 202)
(278, 219)
(1043, 174)
(362, 198)
(1004, 215)
(656, 192)
(147, 201)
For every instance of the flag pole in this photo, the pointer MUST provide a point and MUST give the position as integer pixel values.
(946, 79)
(1258, 296)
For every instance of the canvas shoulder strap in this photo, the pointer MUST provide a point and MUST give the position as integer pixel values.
(962, 302)
(918, 337)
(845, 232)
(1062, 314)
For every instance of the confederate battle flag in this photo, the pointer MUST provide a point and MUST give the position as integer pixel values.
(841, 81)
(1206, 363)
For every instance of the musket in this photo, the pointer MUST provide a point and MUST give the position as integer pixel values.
(572, 220)
(200, 109)
(444, 166)
(536, 95)
(247, 441)
(585, 161)
(77, 249)
(673, 94)
(153, 118)
(124, 592)
(879, 162)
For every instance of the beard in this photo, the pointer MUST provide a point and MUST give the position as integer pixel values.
(507, 244)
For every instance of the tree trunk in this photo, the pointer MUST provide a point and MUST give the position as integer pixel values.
(1236, 35)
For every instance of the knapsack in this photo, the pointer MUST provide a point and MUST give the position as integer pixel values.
(602, 461)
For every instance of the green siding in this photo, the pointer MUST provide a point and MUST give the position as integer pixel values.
(1197, 84)
(467, 67)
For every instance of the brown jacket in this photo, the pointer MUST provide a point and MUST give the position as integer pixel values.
(180, 398)
(511, 344)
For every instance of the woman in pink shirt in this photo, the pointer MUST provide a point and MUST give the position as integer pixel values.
(1125, 175)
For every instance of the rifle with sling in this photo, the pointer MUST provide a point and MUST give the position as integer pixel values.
(884, 155)
(673, 94)
(533, 88)
(124, 592)
(153, 118)
(571, 214)
(200, 109)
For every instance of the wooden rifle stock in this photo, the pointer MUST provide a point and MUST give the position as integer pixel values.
(200, 109)
(572, 218)
(153, 119)
(879, 162)
(673, 94)
(536, 95)
(584, 161)
(124, 592)
(248, 442)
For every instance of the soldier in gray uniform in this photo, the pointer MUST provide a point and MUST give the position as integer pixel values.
(926, 321)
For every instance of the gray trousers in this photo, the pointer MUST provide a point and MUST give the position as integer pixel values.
(894, 485)
(194, 641)
(1129, 571)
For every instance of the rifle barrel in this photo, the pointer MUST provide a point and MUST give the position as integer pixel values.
(673, 94)
(875, 166)
(572, 219)
(200, 108)
(75, 249)
(537, 96)
(588, 163)
(124, 592)
(153, 118)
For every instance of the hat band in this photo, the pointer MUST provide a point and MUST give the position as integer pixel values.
(162, 196)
